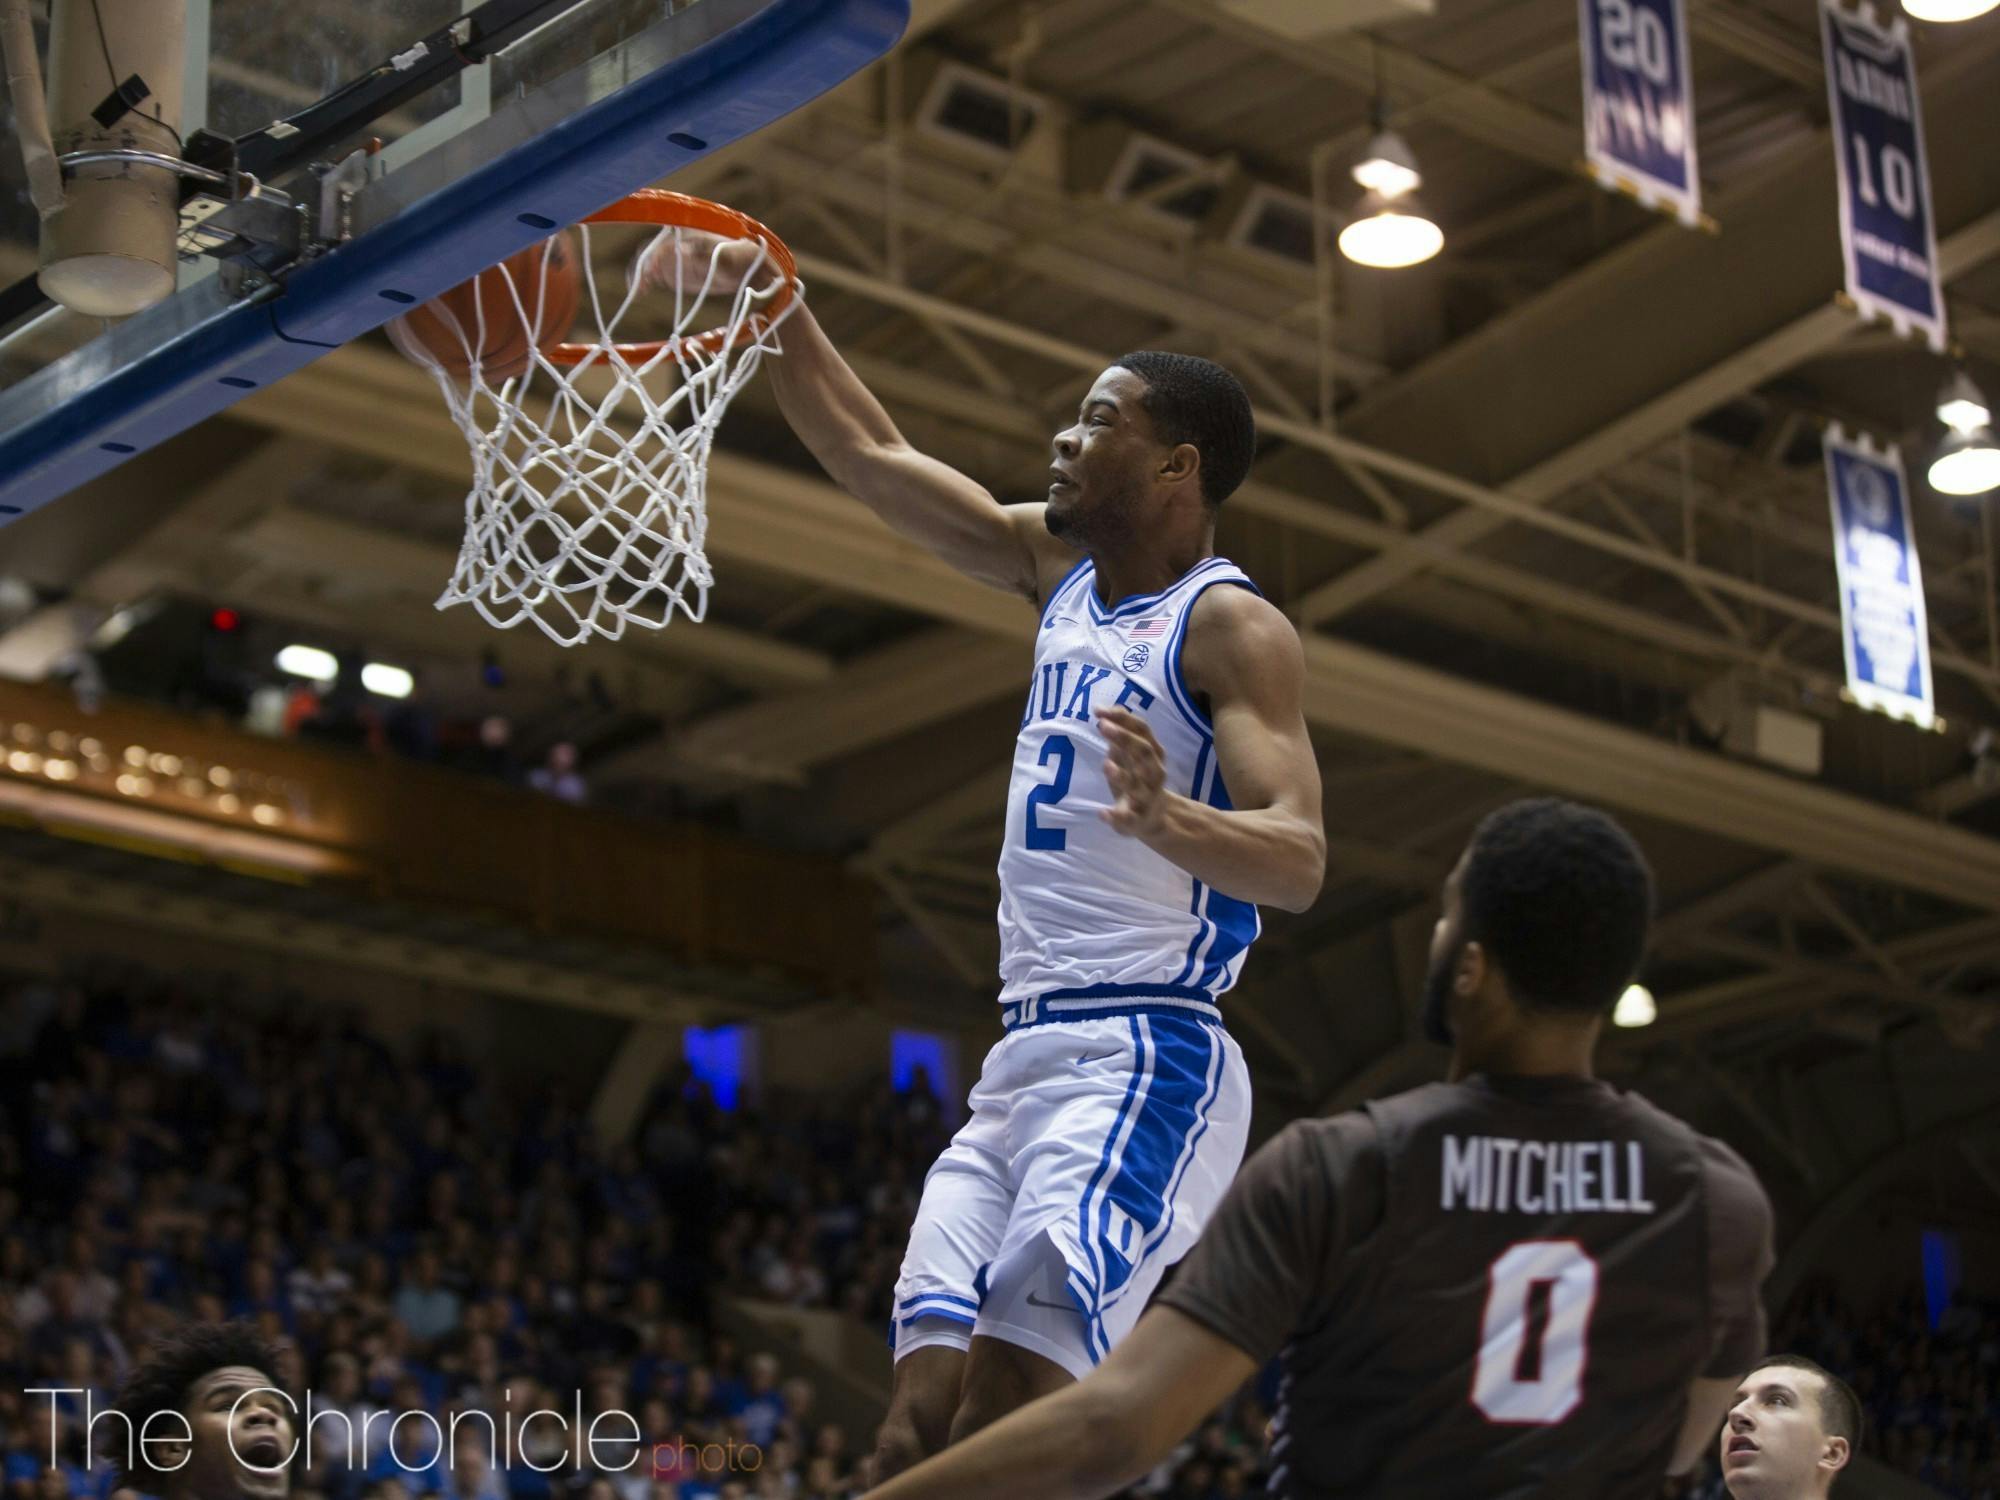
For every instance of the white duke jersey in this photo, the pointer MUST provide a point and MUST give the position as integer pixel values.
(1084, 908)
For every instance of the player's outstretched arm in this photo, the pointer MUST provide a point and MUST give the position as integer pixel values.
(1708, 1405)
(1740, 1256)
(934, 505)
(856, 442)
(1096, 1436)
(1269, 848)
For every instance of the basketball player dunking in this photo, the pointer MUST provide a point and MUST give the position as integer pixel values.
(1522, 1284)
(1163, 789)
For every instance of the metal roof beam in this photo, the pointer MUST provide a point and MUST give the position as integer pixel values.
(1327, 600)
(1451, 719)
(368, 559)
(1465, 104)
(1732, 1002)
(317, 939)
(800, 524)
(888, 692)
(1758, 41)
(1659, 331)
(949, 205)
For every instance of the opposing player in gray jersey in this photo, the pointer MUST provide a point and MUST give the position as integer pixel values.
(1164, 788)
(1521, 1284)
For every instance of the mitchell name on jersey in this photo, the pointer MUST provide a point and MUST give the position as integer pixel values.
(1497, 1174)
(1084, 909)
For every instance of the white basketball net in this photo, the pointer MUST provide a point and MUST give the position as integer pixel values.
(588, 507)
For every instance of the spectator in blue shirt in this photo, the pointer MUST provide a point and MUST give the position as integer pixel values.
(764, 1406)
(426, 1307)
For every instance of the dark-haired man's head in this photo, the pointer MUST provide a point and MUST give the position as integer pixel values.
(1791, 1429)
(206, 1389)
(1154, 431)
(1544, 922)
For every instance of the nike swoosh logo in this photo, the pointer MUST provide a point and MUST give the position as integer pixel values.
(1068, 1307)
(1082, 1061)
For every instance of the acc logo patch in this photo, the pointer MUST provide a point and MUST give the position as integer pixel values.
(1137, 657)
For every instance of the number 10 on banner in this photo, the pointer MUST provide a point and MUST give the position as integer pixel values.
(1898, 176)
(1887, 235)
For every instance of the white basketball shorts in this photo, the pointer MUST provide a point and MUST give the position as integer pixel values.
(1104, 1128)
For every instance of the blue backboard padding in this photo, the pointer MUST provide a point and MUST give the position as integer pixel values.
(56, 425)
(91, 417)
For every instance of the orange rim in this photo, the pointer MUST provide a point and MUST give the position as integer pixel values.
(671, 210)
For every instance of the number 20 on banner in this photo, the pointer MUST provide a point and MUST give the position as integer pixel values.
(1638, 106)
(1635, 40)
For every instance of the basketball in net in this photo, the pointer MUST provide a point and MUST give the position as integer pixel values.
(588, 510)
(499, 317)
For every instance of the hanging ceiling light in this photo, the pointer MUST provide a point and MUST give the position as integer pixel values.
(1948, 10)
(1389, 233)
(1389, 167)
(1636, 1007)
(1961, 405)
(1968, 463)
(310, 662)
(386, 681)
(1389, 229)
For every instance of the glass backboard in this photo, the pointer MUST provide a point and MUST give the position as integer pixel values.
(575, 111)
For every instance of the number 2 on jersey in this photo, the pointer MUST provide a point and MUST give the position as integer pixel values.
(1533, 1339)
(1056, 747)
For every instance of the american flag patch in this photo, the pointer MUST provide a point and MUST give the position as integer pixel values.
(1150, 630)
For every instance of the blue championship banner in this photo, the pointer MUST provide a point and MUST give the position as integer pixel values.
(1638, 102)
(1888, 237)
(1883, 628)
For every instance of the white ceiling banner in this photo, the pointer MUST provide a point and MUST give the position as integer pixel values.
(1638, 102)
(1888, 234)
(1883, 627)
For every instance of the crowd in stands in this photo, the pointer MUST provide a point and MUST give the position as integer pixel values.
(225, 676)
(415, 1237)
(347, 716)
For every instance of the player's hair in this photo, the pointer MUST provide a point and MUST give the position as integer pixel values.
(171, 1366)
(1839, 1407)
(1560, 898)
(1194, 400)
